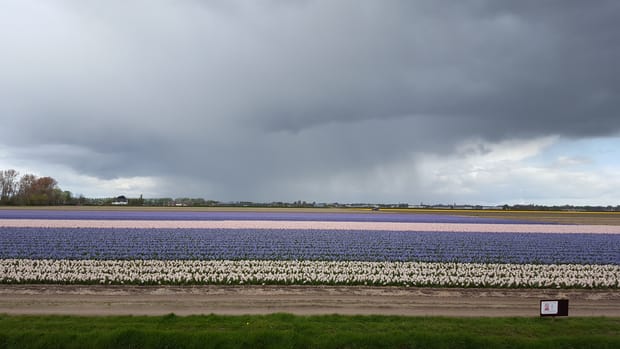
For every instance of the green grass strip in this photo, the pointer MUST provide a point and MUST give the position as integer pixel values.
(289, 331)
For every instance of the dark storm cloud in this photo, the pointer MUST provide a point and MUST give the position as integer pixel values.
(524, 70)
(246, 95)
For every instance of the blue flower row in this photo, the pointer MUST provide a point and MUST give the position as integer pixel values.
(330, 245)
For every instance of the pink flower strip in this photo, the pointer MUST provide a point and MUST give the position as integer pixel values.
(317, 225)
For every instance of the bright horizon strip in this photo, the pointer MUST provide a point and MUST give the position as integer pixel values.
(317, 225)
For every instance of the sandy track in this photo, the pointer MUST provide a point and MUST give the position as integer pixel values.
(302, 300)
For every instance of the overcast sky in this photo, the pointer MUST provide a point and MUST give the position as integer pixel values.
(486, 102)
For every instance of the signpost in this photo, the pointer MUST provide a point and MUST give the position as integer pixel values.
(554, 307)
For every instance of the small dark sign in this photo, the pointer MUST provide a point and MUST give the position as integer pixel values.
(554, 307)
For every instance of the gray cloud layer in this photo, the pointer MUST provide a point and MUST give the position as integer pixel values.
(269, 100)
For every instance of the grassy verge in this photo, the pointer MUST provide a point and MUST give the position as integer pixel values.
(288, 331)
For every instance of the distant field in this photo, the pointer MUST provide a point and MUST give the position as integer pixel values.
(561, 217)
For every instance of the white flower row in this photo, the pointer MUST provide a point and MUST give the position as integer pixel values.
(308, 272)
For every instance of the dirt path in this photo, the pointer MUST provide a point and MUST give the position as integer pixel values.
(302, 300)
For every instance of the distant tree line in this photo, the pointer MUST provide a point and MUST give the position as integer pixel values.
(585, 208)
(31, 190)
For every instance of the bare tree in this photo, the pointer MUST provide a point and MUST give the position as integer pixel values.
(8, 185)
(31, 190)
(26, 189)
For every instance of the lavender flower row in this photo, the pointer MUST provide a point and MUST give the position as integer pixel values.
(317, 225)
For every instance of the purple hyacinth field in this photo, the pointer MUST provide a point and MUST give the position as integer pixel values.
(282, 244)
(398, 249)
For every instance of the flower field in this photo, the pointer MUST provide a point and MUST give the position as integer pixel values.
(308, 272)
(176, 247)
(319, 245)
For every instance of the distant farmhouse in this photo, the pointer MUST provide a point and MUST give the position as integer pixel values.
(120, 200)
